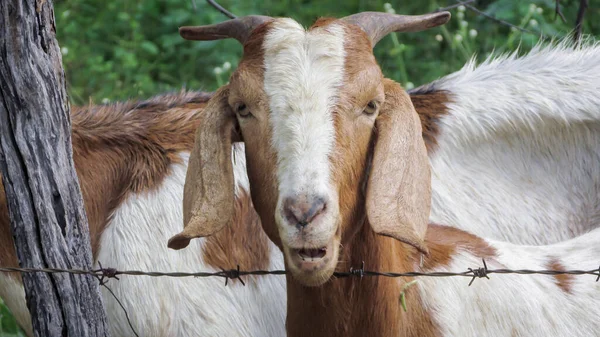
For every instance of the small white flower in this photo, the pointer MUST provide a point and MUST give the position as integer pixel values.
(460, 15)
(533, 22)
(439, 38)
(64, 50)
(473, 33)
(458, 37)
(105, 100)
(391, 11)
(218, 70)
(532, 8)
(539, 10)
(226, 66)
(409, 85)
(387, 6)
(461, 8)
(464, 24)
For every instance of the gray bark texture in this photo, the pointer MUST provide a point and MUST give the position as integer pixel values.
(48, 220)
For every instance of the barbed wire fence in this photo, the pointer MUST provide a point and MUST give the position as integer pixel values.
(105, 274)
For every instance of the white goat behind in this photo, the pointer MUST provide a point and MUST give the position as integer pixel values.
(518, 305)
(518, 155)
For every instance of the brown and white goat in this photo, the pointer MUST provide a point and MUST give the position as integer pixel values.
(339, 175)
(131, 160)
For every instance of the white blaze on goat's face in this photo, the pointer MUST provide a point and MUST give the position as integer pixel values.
(303, 73)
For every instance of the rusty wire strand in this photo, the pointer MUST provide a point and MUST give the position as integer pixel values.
(104, 274)
(480, 272)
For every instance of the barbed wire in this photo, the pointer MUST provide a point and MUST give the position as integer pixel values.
(105, 274)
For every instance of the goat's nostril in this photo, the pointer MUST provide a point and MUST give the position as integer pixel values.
(303, 210)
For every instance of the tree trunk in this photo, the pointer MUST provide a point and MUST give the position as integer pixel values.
(48, 220)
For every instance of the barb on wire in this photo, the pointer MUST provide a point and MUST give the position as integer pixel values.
(221, 9)
(232, 274)
(358, 272)
(479, 272)
(103, 277)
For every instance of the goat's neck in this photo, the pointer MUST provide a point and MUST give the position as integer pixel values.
(367, 306)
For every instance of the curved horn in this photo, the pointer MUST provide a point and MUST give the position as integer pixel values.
(238, 28)
(379, 24)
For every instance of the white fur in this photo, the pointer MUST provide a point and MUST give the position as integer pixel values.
(136, 239)
(518, 156)
(518, 305)
(303, 71)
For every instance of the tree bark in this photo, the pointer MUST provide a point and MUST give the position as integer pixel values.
(48, 220)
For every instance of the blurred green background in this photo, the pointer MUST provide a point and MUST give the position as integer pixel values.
(121, 49)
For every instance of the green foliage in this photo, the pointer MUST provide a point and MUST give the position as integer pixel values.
(120, 49)
(8, 325)
(114, 49)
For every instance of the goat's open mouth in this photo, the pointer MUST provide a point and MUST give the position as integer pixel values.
(311, 254)
(312, 259)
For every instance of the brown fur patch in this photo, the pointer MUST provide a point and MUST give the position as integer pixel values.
(8, 256)
(244, 243)
(368, 306)
(563, 281)
(127, 148)
(119, 149)
(431, 106)
(444, 241)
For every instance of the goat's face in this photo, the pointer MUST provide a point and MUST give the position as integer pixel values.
(306, 104)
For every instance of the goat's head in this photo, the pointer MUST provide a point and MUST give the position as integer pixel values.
(327, 139)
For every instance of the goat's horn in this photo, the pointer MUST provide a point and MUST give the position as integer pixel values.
(238, 28)
(379, 24)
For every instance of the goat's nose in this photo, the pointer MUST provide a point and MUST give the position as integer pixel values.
(301, 211)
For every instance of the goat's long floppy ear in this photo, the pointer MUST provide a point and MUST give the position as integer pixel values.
(399, 186)
(208, 191)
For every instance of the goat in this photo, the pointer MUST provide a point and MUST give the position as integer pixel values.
(446, 108)
(131, 160)
(339, 174)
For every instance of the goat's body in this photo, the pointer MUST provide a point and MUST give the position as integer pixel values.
(181, 306)
(517, 155)
(518, 305)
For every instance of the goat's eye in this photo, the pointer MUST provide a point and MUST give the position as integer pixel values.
(242, 110)
(371, 108)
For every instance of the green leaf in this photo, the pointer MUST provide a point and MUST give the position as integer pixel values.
(149, 47)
